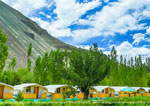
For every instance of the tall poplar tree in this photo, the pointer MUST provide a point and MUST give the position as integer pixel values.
(29, 57)
(12, 64)
(3, 50)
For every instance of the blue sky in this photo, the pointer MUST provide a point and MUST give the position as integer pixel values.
(124, 24)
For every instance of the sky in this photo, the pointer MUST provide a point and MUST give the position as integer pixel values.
(124, 24)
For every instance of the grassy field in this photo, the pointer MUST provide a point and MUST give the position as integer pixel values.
(83, 103)
(70, 104)
(132, 101)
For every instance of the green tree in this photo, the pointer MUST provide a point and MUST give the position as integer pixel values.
(23, 76)
(41, 70)
(50, 68)
(87, 68)
(148, 64)
(12, 64)
(114, 73)
(29, 49)
(8, 77)
(148, 79)
(58, 65)
(29, 56)
(3, 50)
(37, 70)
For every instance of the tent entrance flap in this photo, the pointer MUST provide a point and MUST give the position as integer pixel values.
(36, 91)
(1, 91)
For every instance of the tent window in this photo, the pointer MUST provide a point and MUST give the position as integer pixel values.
(28, 89)
(64, 89)
(58, 90)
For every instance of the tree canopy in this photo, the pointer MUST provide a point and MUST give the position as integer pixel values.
(3, 50)
(87, 68)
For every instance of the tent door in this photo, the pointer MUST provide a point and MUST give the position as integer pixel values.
(1, 92)
(36, 91)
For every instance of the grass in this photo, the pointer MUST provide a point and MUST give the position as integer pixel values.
(68, 104)
(127, 101)
(48, 104)
(130, 99)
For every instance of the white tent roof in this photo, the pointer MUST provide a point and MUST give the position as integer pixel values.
(52, 88)
(100, 88)
(146, 88)
(136, 88)
(118, 88)
(6, 85)
(22, 86)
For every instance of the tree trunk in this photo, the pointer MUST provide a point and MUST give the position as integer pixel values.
(86, 93)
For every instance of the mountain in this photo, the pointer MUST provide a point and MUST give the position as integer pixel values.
(21, 31)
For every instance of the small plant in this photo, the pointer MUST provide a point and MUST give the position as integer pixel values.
(19, 96)
(69, 93)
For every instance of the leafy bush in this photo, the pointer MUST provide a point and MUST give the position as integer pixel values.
(19, 96)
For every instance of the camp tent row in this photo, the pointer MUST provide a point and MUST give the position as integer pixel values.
(121, 91)
(36, 91)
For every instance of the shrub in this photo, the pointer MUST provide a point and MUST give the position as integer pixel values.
(19, 96)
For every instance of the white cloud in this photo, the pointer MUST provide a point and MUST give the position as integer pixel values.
(148, 31)
(112, 19)
(51, 29)
(26, 6)
(42, 13)
(87, 47)
(69, 11)
(48, 16)
(128, 50)
(146, 12)
(138, 38)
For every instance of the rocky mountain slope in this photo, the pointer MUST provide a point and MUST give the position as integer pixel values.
(21, 31)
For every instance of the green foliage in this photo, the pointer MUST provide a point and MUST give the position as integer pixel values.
(49, 69)
(8, 77)
(3, 50)
(129, 99)
(23, 76)
(72, 91)
(29, 62)
(130, 73)
(19, 96)
(131, 104)
(48, 104)
(29, 49)
(12, 64)
(87, 68)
